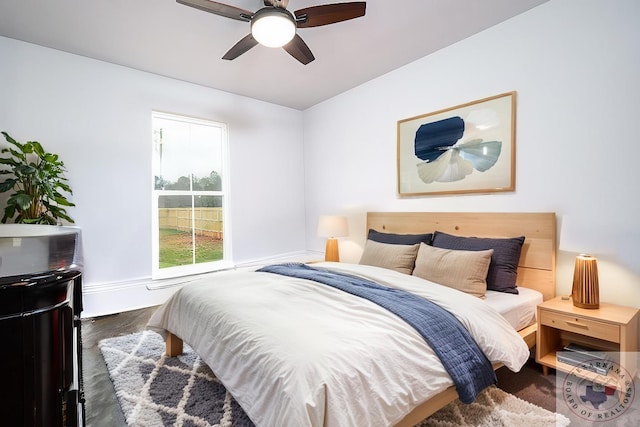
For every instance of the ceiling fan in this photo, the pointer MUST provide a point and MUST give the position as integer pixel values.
(275, 26)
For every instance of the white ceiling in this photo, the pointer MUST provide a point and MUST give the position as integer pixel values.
(173, 40)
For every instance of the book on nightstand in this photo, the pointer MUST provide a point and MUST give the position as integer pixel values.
(585, 357)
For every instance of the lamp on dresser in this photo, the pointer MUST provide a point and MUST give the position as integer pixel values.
(585, 291)
(332, 226)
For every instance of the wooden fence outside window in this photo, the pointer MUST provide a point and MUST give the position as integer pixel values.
(207, 221)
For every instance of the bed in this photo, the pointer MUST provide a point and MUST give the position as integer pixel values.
(279, 370)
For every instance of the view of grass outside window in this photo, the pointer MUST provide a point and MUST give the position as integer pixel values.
(188, 168)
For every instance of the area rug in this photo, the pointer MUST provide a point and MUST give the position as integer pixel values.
(156, 390)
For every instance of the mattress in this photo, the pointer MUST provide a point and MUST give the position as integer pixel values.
(519, 310)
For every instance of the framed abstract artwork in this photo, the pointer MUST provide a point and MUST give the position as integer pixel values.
(469, 148)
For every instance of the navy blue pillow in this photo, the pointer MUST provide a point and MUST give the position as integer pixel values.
(399, 239)
(503, 269)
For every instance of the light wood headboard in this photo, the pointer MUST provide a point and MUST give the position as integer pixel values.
(537, 266)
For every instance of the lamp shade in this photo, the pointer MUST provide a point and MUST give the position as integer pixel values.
(585, 291)
(333, 226)
(273, 27)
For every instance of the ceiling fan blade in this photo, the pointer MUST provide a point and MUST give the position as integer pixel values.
(219, 9)
(299, 50)
(325, 14)
(246, 43)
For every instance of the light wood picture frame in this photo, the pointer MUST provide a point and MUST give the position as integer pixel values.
(469, 148)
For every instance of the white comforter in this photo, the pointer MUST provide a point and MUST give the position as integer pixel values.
(298, 353)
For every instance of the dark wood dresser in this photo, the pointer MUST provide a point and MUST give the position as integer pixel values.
(41, 349)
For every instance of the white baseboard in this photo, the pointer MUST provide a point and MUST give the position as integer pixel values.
(110, 298)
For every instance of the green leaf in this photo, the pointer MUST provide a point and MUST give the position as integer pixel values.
(23, 201)
(64, 187)
(8, 161)
(62, 201)
(50, 158)
(67, 218)
(37, 148)
(9, 212)
(19, 155)
(27, 148)
(8, 138)
(7, 185)
(26, 169)
(30, 220)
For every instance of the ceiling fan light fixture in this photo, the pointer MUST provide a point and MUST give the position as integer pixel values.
(273, 27)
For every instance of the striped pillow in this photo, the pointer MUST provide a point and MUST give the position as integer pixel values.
(400, 258)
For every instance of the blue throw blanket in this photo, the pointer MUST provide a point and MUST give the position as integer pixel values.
(465, 362)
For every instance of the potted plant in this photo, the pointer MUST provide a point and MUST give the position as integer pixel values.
(37, 181)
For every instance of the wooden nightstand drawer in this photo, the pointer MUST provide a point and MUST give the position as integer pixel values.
(580, 325)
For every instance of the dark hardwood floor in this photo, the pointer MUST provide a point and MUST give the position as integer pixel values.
(103, 410)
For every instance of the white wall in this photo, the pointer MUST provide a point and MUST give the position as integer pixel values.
(97, 117)
(575, 67)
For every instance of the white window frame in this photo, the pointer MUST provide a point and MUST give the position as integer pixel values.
(191, 269)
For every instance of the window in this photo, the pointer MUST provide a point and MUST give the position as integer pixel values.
(190, 224)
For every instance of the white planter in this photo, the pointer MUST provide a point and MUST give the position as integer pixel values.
(28, 248)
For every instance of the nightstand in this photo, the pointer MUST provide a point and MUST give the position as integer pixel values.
(611, 328)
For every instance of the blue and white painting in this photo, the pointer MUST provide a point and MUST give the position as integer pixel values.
(447, 156)
(468, 148)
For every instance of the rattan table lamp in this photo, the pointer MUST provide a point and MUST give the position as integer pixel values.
(585, 291)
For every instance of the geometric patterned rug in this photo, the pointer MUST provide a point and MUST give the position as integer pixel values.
(156, 390)
(495, 408)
